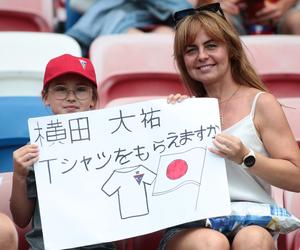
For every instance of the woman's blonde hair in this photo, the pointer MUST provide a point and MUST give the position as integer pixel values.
(221, 31)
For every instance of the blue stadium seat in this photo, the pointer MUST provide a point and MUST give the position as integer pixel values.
(14, 113)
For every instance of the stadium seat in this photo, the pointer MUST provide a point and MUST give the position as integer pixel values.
(14, 113)
(123, 53)
(29, 15)
(25, 57)
(5, 193)
(135, 65)
(291, 203)
(296, 240)
(139, 85)
(276, 59)
(127, 100)
(274, 55)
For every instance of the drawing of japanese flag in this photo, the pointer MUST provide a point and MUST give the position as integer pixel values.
(176, 170)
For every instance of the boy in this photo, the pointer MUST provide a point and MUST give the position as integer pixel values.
(69, 86)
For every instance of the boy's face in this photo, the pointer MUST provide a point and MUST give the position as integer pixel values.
(69, 94)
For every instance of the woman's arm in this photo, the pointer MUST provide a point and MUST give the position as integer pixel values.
(282, 167)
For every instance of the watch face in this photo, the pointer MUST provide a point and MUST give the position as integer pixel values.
(249, 161)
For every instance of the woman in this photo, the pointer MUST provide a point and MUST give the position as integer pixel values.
(256, 141)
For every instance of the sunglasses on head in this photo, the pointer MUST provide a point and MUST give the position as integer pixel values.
(213, 7)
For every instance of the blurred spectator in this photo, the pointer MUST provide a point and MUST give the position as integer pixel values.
(272, 16)
(261, 16)
(8, 234)
(121, 16)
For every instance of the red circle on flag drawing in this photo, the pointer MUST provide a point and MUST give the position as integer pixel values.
(176, 169)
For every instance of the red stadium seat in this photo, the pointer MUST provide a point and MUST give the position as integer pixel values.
(291, 203)
(274, 55)
(135, 65)
(276, 59)
(296, 240)
(29, 15)
(134, 53)
(139, 85)
(292, 200)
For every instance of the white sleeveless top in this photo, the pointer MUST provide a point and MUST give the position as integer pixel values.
(243, 186)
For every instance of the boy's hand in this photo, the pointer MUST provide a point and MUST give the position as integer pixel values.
(25, 157)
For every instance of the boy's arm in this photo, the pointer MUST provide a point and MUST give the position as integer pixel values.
(22, 208)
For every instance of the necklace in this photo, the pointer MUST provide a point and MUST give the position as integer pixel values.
(225, 105)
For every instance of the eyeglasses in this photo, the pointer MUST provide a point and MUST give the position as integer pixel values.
(213, 7)
(81, 92)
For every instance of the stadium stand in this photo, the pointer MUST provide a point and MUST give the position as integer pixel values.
(29, 15)
(129, 66)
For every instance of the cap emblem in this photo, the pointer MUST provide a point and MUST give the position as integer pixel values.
(83, 63)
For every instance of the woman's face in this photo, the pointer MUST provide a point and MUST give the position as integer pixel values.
(207, 60)
(69, 94)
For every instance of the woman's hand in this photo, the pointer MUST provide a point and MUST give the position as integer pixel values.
(25, 157)
(176, 98)
(232, 7)
(229, 147)
(272, 12)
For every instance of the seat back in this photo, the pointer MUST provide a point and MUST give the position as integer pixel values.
(135, 65)
(14, 113)
(132, 53)
(29, 15)
(276, 59)
(25, 57)
(274, 55)
(291, 203)
(139, 85)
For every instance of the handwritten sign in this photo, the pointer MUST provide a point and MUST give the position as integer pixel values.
(115, 173)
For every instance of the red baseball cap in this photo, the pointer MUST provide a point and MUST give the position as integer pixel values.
(66, 64)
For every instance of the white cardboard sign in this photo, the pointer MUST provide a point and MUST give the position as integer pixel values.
(116, 173)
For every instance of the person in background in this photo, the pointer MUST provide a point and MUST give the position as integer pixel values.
(258, 145)
(121, 16)
(262, 16)
(69, 86)
(8, 234)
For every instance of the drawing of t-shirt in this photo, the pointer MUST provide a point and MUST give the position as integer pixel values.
(176, 170)
(130, 185)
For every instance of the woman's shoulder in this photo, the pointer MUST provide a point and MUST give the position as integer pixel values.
(266, 99)
(268, 107)
(260, 101)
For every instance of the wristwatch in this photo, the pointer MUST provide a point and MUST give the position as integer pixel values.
(249, 160)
